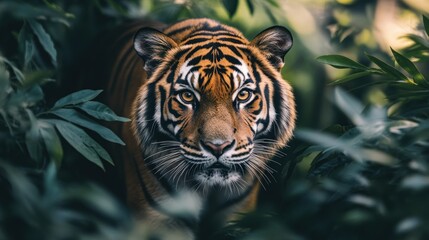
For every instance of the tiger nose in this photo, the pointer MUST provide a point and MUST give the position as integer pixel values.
(217, 149)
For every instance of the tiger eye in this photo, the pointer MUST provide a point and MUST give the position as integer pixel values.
(187, 96)
(243, 95)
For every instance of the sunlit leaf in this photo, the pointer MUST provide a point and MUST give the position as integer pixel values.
(44, 39)
(409, 66)
(339, 61)
(387, 68)
(77, 97)
(75, 117)
(419, 40)
(101, 111)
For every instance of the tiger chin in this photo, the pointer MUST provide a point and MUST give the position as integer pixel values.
(209, 108)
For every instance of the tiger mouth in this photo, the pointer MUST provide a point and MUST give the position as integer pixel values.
(218, 174)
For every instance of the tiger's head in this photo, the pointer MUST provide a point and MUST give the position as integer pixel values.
(215, 107)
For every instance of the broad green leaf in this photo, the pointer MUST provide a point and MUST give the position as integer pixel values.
(426, 24)
(339, 61)
(52, 142)
(101, 111)
(350, 77)
(387, 68)
(79, 140)
(44, 39)
(350, 106)
(409, 66)
(231, 6)
(77, 118)
(77, 97)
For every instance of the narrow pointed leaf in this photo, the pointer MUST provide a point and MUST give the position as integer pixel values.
(77, 118)
(101, 111)
(79, 140)
(33, 139)
(251, 7)
(52, 142)
(426, 24)
(409, 66)
(387, 68)
(77, 97)
(339, 61)
(351, 77)
(44, 39)
(350, 106)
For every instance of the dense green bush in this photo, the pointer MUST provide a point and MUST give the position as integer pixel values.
(364, 176)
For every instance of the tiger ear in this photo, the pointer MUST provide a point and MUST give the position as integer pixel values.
(275, 42)
(152, 45)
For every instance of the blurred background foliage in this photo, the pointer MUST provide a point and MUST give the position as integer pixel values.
(357, 168)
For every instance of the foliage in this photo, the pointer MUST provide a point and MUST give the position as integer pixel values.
(364, 176)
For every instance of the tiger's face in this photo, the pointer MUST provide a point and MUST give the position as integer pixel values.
(215, 109)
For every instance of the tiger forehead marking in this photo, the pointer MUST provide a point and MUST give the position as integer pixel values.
(214, 108)
(221, 78)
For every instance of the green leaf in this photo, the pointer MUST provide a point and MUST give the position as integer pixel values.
(5, 87)
(273, 3)
(350, 106)
(409, 66)
(426, 24)
(29, 53)
(52, 142)
(251, 7)
(387, 68)
(33, 139)
(231, 6)
(77, 97)
(350, 77)
(18, 74)
(418, 40)
(44, 39)
(101, 111)
(75, 117)
(339, 61)
(81, 141)
(270, 14)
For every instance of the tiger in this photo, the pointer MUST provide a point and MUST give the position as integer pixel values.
(208, 111)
